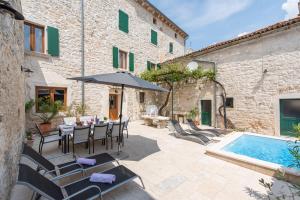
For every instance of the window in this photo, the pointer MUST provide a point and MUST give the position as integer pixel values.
(34, 37)
(48, 95)
(170, 47)
(123, 21)
(153, 37)
(150, 65)
(154, 21)
(123, 59)
(142, 97)
(175, 35)
(229, 102)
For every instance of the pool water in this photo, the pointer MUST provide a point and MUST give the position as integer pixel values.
(263, 148)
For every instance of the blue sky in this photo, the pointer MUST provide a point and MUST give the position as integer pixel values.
(211, 21)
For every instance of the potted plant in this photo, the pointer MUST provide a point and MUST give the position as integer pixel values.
(80, 111)
(47, 111)
(193, 114)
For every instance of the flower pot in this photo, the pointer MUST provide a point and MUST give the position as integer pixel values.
(44, 128)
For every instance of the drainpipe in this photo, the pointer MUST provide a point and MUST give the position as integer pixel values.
(215, 89)
(82, 52)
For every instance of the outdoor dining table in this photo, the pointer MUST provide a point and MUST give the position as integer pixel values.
(66, 131)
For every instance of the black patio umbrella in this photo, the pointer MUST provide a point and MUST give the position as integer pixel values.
(121, 79)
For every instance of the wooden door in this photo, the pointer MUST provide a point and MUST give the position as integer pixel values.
(113, 107)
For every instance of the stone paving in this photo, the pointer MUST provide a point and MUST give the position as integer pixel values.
(172, 169)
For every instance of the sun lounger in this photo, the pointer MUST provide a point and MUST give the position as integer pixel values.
(65, 169)
(180, 133)
(195, 128)
(82, 189)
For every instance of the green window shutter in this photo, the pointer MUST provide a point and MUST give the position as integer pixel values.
(153, 37)
(158, 66)
(131, 62)
(148, 65)
(171, 47)
(53, 41)
(115, 57)
(123, 21)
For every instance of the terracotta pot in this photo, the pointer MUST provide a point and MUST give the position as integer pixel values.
(45, 128)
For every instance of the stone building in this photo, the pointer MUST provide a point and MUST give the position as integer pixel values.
(130, 35)
(260, 72)
(11, 97)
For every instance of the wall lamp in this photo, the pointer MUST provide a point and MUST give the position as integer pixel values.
(4, 5)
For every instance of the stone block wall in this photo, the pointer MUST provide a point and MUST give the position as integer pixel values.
(101, 34)
(257, 74)
(12, 117)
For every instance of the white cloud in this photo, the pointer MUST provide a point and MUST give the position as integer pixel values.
(242, 34)
(291, 8)
(194, 14)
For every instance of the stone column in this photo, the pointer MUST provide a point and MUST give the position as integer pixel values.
(12, 114)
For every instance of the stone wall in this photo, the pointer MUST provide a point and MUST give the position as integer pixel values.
(256, 94)
(11, 98)
(101, 34)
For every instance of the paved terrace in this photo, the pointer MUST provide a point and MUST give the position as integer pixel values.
(171, 169)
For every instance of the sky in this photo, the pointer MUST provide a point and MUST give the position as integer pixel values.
(211, 21)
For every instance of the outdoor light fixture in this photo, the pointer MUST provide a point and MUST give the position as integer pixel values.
(27, 70)
(4, 5)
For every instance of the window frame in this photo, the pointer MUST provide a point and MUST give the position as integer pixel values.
(231, 105)
(51, 91)
(32, 41)
(152, 40)
(154, 21)
(171, 48)
(142, 97)
(120, 60)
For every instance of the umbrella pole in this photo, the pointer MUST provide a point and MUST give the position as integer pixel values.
(119, 140)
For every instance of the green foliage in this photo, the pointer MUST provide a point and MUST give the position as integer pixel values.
(29, 105)
(297, 130)
(70, 110)
(193, 113)
(105, 118)
(175, 73)
(48, 110)
(29, 135)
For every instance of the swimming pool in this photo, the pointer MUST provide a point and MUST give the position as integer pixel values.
(263, 148)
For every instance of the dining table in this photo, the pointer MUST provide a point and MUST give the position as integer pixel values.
(66, 131)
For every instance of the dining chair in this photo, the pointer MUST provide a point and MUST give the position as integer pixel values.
(69, 120)
(81, 135)
(115, 132)
(47, 137)
(126, 125)
(100, 132)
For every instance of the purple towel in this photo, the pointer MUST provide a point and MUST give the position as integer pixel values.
(103, 178)
(86, 161)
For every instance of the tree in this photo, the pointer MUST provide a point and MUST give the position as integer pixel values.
(172, 73)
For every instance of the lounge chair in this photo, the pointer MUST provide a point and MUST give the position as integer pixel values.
(180, 133)
(195, 128)
(64, 169)
(82, 189)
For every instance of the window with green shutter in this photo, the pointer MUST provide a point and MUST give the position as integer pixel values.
(115, 57)
(153, 37)
(150, 66)
(123, 21)
(171, 47)
(131, 62)
(158, 66)
(53, 41)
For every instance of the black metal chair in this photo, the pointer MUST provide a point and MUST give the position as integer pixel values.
(126, 126)
(81, 135)
(82, 189)
(115, 132)
(67, 168)
(100, 132)
(48, 137)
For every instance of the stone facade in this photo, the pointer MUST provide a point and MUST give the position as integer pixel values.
(257, 73)
(101, 34)
(11, 98)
